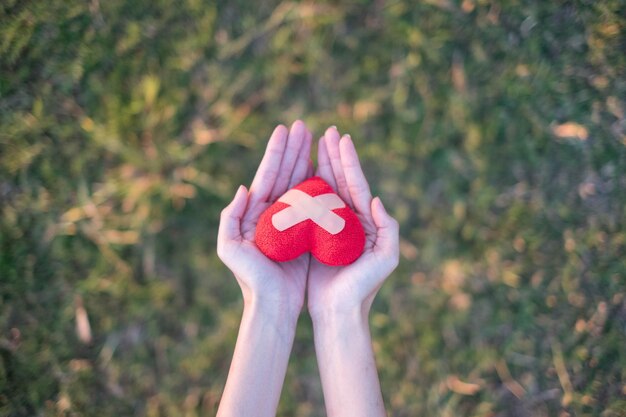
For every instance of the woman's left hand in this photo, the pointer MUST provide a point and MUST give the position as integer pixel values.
(278, 287)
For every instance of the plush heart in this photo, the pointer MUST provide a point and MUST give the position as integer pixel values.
(311, 218)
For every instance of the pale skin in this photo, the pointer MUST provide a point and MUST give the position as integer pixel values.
(339, 298)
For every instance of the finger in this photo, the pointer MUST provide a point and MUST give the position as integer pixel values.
(302, 162)
(230, 221)
(294, 143)
(332, 144)
(387, 233)
(309, 171)
(324, 170)
(265, 177)
(357, 185)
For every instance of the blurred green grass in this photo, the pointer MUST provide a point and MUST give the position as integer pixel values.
(494, 131)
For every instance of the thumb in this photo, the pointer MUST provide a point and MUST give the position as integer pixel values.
(230, 221)
(387, 232)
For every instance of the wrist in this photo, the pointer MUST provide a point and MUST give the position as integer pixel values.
(280, 312)
(340, 319)
(339, 310)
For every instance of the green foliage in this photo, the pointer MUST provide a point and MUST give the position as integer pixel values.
(494, 131)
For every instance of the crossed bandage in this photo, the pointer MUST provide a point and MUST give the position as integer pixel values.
(303, 207)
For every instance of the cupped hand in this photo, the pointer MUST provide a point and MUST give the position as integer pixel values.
(278, 286)
(351, 288)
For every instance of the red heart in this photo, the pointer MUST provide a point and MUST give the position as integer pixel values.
(341, 248)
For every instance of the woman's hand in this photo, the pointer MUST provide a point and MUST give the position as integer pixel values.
(336, 290)
(271, 285)
(273, 292)
(339, 298)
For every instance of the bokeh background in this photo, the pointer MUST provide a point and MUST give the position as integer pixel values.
(494, 131)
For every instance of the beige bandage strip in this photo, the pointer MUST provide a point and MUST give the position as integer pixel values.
(303, 207)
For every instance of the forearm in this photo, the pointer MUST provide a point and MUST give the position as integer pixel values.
(347, 366)
(259, 363)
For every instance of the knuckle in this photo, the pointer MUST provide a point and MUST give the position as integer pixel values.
(389, 260)
(356, 189)
(394, 257)
(392, 263)
(395, 226)
(395, 260)
(223, 252)
(220, 250)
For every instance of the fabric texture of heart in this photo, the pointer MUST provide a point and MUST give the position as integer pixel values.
(311, 218)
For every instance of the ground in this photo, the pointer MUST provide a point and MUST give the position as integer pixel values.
(493, 131)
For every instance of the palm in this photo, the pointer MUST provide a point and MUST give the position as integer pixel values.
(344, 283)
(274, 277)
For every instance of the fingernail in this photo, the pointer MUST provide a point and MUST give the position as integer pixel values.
(347, 136)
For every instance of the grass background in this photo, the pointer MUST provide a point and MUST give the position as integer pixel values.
(493, 130)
